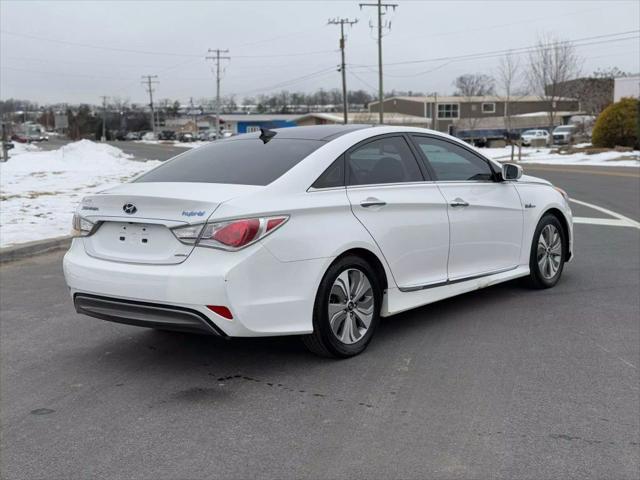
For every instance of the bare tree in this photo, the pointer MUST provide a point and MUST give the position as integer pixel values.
(474, 85)
(470, 86)
(509, 78)
(552, 63)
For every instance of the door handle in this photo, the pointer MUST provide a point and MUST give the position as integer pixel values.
(458, 202)
(372, 202)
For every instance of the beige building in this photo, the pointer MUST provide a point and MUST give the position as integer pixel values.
(364, 118)
(468, 113)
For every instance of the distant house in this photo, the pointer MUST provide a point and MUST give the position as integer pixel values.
(626, 87)
(246, 123)
(184, 125)
(468, 113)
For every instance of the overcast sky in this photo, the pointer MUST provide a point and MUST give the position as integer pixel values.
(75, 51)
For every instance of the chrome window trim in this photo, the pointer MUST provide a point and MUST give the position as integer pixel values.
(397, 184)
(324, 189)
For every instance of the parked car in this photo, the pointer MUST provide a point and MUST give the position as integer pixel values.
(167, 135)
(186, 137)
(20, 138)
(132, 136)
(120, 135)
(534, 135)
(315, 231)
(7, 145)
(564, 134)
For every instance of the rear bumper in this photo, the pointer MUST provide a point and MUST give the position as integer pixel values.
(265, 295)
(142, 314)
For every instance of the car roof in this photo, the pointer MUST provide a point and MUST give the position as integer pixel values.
(324, 133)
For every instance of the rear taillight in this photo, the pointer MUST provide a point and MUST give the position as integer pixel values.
(230, 235)
(81, 227)
(237, 234)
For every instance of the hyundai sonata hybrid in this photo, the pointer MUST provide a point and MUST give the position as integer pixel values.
(314, 231)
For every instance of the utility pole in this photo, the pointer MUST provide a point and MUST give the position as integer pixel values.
(434, 112)
(343, 68)
(386, 7)
(5, 151)
(217, 59)
(104, 118)
(148, 81)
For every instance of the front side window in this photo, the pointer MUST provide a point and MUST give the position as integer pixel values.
(452, 162)
(448, 110)
(238, 161)
(387, 160)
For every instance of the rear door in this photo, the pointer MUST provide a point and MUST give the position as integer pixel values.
(403, 210)
(485, 215)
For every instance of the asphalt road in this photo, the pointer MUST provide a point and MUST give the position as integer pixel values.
(505, 382)
(141, 151)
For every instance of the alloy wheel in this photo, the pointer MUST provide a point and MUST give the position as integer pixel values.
(351, 306)
(549, 254)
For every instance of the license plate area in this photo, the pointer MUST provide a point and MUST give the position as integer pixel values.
(136, 243)
(136, 233)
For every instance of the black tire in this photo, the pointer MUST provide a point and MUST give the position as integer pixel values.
(537, 279)
(323, 341)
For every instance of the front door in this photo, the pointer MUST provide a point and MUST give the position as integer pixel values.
(485, 215)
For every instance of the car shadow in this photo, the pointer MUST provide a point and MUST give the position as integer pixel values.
(175, 351)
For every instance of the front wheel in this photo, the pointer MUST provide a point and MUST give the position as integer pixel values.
(547, 253)
(346, 310)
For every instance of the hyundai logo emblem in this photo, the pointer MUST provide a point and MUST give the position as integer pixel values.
(129, 208)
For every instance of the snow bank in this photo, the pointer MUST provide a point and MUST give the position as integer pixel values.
(544, 155)
(39, 189)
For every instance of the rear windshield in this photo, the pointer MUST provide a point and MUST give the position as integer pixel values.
(243, 162)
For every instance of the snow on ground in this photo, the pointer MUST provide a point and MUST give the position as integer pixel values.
(39, 190)
(544, 155)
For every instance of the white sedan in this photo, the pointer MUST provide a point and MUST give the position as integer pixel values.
(313, 231)
(534, 135)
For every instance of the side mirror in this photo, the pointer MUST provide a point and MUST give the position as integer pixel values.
(511, 171)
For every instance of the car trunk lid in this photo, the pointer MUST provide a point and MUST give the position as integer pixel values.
(135, 220)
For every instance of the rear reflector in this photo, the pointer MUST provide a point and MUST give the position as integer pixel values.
(222, 311)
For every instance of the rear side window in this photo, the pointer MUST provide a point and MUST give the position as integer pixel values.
(452, 162)
(387, 160)
(332, 176)
(243, 162)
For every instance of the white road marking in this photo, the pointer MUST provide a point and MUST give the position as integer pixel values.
(609, 222)
(618, 220)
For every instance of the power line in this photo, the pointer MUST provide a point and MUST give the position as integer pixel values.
(279, 55)
(309, 76)
(98, 47)
(488, 55)
(386, 7)
(217, 59)
(515, 50)
(148, 81)
(342, 22)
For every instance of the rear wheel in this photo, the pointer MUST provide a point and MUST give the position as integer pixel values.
(347, 309)
(547, 253)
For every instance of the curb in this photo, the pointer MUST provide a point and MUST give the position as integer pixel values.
(30, 249)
